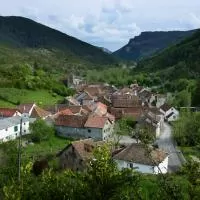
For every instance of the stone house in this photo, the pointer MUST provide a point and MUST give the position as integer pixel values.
(77, 126)
(76, 156)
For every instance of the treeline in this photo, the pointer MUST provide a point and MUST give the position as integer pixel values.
(25, 76)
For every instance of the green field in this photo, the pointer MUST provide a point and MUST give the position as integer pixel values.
(51, 146)
(10, 97)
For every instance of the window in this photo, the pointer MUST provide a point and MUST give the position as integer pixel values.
(89, 131)
(24, 131)
(24, 123)
(6, 129)
(16, 128)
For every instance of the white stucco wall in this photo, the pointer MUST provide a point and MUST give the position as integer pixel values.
(172, 118)
(10, 133)
(162, 167)
(138, 167)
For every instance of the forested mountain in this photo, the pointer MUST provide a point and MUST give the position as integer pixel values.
(35, 56)
(177, 70)
(182, 58)
(21, 33)
(148, 43)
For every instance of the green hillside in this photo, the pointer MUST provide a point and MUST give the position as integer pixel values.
(175, 70)
(38, 58)
(21, 32)
(180, 60)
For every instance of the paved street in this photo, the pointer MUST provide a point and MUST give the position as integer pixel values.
(166, 143)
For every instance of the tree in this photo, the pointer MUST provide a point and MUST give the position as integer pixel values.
(41, 131)
(105, 181)
(196, 95)
(187, 129)
(123, 127)
(183, 99)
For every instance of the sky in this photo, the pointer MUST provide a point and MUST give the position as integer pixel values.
(107, 23)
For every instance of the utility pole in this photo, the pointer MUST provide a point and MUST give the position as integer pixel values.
(19, 151)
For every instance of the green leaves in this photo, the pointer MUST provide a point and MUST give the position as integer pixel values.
(41, 131)
(186, 129)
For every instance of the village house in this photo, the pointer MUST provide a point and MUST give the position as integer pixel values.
(9, 112)
(137, 157)
(125, 100)
(134, 112)
(155, 121)
(33, 111)
(76, 156)
(170, 113)
(10, 127)
(83, 126)
(147, 97)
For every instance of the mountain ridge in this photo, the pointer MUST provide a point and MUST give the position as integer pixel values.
(20, 32)
(150, 42)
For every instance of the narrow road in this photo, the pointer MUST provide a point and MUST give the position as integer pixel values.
(166, 143)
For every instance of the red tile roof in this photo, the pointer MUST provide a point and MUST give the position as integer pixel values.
(7, 112)
(125, 101)
(128, 112)
(101, 109)
(39, 113)
(75, 121)
(65, 112)
(96, 122)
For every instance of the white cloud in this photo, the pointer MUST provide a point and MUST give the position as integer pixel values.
(108, 23)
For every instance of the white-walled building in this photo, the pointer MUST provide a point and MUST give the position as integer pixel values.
(136, 156)
(10, 128)
(170, 113)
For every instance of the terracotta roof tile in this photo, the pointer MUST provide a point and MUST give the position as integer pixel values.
(8, 112)
(65, 112)
(125, 101)
(39, 113)
(96, 122)
(75, 121)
